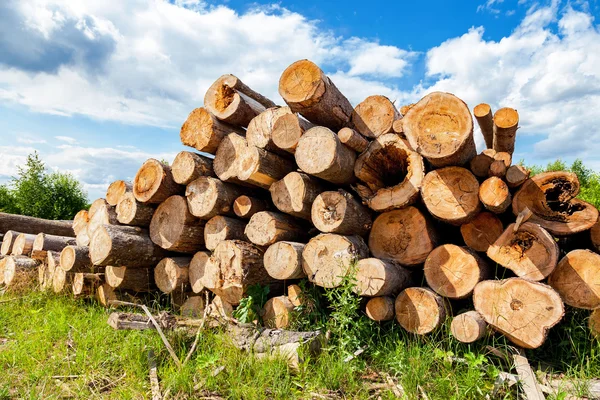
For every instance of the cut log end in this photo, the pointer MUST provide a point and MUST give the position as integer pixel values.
(483, 115)
(295, 193)
(267, 227)
(468, 327)
(380, 308)
(374, 116)
(339, 212)
(174, 228)
(495, 195)
(189, 166)
(172, 274)
(420, 310)
(516, 175)
(506, 122)
(246, 206)
(577, 279)
(375, 277)
(197, 270)
(277, 312)
(116, 190)
(283, 260)
(221, 228)
(353, 139)
(154, 183)
(481, 232)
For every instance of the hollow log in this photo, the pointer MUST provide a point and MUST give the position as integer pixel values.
(339, 212)
(23, 224)
(498, 169)
(260, 129)
(295, 194)
(43, 243)
(480, 164)
(208, 197)
(468, 327)
(328, 258)
(189, 166)
(295, 295)
(80, 222)
(375, 277)
(594, 323)
(287, 131)
(221, 228)
(23, 244)
(196, 270)
(380, 308)
(229, 157)
(62, 281)
(374, 116)
(283, 260)
(482, 231)
(101, 213)
(523, 311)
(174, 228)
(551, 198)
(246, 206)
(577, 279)
(193, 307)
(8, 241)
(320, 153)
(85, 284)
(453, 271)
(20, 271)
(353, 139)
(204, 132)
(116, 190)
(516, 175)
(451, 195)
(440, 128)
(154, 183)
(506, 121)
(420, 310)
(134, 279)
(262, 168)
(277, 312)
(495, 195)
(483, 115)
(308, 91)
(132, 212)
(406, 236)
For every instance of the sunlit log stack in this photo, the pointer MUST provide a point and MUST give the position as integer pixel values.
(316, 189)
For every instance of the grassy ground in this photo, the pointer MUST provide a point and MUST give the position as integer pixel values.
(43, 336)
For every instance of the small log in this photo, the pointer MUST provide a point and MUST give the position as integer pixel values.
(8, 241)
(494, 195)
(229, 157)
(595, 236)
(193, 307)
(295, 295)
(498, 169)
(3, 260)
(277, 312)
(221, 228)
(260, 130)
(453, 271)
(483, 115)
(505, 157)
(246, 206)
(76, 259)
(283, 260)
(375, 277)
(287, 131)
(62, 281)
(101, 213)
(468, 327)
(594, 323)
(530, 251)
(261, 168)
(80, 221)
(23, 244)
(20, 270)
(577, 279)
(132, 212)
(392, 171)
(82, 238)
(189, 166)
(23, 224)
(116, 190)
(308, 91)
(154, 183)
(328, 258)
(208, 197)
(231, 101)
(440, 128)
(339, 212)
(295, 193)
(46, 270)
(516, 175)
(374, 116)
(220, 308)
(451, 195)
(172, 274)
(353, 139)
(480, 164)
(174, 228)
(85, 284)
(523, 311)
(202, 131)
(420, 310)
(482, 231)
(268, 227)
(406, 236)
(134, 279)
(105, 294)
(320, 153)
(380, 308)
(506, 121)
(398, 127)
(43, 243)
(196, 270)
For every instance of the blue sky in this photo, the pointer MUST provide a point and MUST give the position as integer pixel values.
(99, 86)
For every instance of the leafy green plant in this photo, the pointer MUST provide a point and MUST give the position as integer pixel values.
(250, 307)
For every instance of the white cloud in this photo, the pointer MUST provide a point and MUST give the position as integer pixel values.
(26, 138)
(490, 6)
(11, 157)
(67, 139)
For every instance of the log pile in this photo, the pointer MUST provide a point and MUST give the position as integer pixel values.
(317, 189)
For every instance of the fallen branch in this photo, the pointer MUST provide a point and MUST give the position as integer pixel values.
(154, 385)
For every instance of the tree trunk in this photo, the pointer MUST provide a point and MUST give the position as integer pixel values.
(246, 206)
(594, 323)
(174, 228)
(523, 311)
(134, 279)
(406, 236)
(268, 227)
(380, 308)
(295, 193)
(44, 242)
(374, 116)
(105, 294)
(577, 279)
(506, 121)
(220, 308)
(277, 312)
(202, 131)
(392, 171)
(154, 183)
(117, 245)
(221, 228)
(116, 190)
(468, 327)
(193, 307)
(287, 131)
(80, 221)
(20, 271)
(516, 175)
(189, 166)
(398, 128)
(85, 284)
(262, 168)
(480, 164)
(420, 310)
(551, 198)
(320, 153)
(23, 244)
(375, 277)
(208, 197)
(295, 295)
(283, 260)
(172, 274)
(229, 157)
(197, 270)
(260, 129)
(23, 224)
(440, 128)
(308, 91)
(498, 169)
(82, 239)
(62, 281)
(483, 115)
(339, 212)
(495, 195)
(595, 236)
(231, 101)
(8, 242)
(76, 259)
(101, 213)
(327, 258)
(482, 231)
(132, 212)
(451, 195)
(353, 139)
(453, 271)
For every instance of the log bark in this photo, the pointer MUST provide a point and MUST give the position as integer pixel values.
(295, 194)
(189, 166)
(374, 116)
(577, 279)
(506, 121)
(320, 153)
(551, 198)
(231, 101)
(62, 281)
(453, 271)
(268, 227)
(516, 175)
(246, 206)
(197, 269)
(353, 139)
(287, 131)
(420, 310)
(23, 244)
(451, 195)
(134, 279)
(523, 311)
(229, 157)
(495, 195)
(480, 164)
(440, 128)
(101, 213)
(23, 224)
(221, 228)
(174, 228)
(380, 308)
(132, 212)
(406, 236)
(116, 190)
(283, 260)
(595, 236)
(261, 168)
(295, 295)
(339, 212)
(85, 284)
(375, 277)
(20, 271)
(594, 323)
(260, 129)
(468, 327)
(193, 307)
(154, 183)
(208, 197)
(483, 115)
(481, 232)
(498, 169)
(204, 132)
(44, 242)
(308, 91)
(8, 241)
(80, 222)
(277, 312)
(328, 258)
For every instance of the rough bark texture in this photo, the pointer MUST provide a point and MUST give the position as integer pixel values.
(172, 274)
(208, 197)
(116, 190)
(498, 169)
(506, 121)
(277, 312)
(374, 116)
(246, 206)
(80, 222)
(221, 228)
(482, 231)
(483, 115)
(480, 164)
(268, 227)
(353, 139)
(420, 310)
(287, 131)
(577, 279)
(23, 244)
(204, 132)
(132, 212)
(76, 259)
(189, 166)
(375, 277)
(380, 308)
(197, 269)
(283, 260)
(516, 175)
(339, 212)
(134, 279)
(174, 228)
(261, 168)
(23, 224)
(468, 327)
(154, 183)
(295, 193)
(495, 195)
(44, 242)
